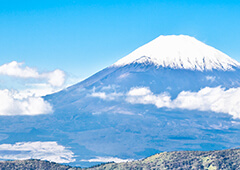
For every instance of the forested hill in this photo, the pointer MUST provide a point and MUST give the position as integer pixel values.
(224, 159)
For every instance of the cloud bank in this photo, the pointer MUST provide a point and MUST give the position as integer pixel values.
(107, 159)
(27, 101)
(144, 95)
(50, 151)
(215, 99)
(105, 96)
(13, 103)
(15, 69)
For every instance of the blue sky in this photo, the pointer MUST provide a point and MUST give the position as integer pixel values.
(82, 37)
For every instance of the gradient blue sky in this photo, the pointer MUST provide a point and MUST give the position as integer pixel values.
(82, 37)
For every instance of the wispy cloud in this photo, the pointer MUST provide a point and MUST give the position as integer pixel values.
(107, 159)
(37, 89)
(215, 99)
(211, 78)
(50, 151)
(15, 69)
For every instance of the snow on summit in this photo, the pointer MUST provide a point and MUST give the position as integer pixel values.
(180, 52)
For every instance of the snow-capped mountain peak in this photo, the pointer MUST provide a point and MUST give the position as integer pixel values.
(179, 52)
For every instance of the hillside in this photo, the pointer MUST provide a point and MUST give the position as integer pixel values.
(224, 159)
(32, 164)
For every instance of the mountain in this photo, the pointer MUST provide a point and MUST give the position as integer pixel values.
(223, 159)
(179, 52)
(167, 64)
(174, 93)
(113, 122)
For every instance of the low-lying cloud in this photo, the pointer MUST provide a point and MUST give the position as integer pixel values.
(106, 96)
(15, 69)
(50, 151)
(32, 85)
(144, 95)
(216, 99)
(13, 103)
(107, 159)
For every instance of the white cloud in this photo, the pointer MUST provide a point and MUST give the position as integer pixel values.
(211, 78)
(144, 95)
(109, 87)
(211, 99)
(38, 90)
(207, 99)
(113, 109)
(107, 159)
(55, 78)
(123, 75)
(50, 151)
(122, 111)
(105, 96)
(15, 69)
(101, 95)
(15, 103)
(28, 101)
(139, 91)
(235, 122)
